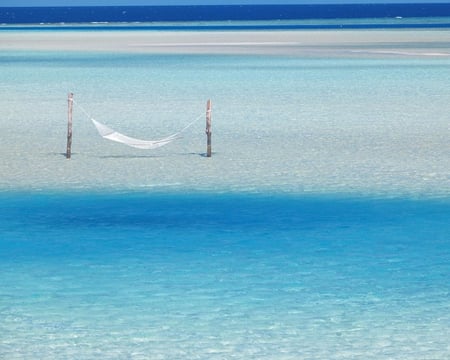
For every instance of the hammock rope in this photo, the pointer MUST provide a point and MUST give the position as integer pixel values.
(113, 135)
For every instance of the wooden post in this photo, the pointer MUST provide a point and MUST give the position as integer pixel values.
(208, 128)
(69, 126)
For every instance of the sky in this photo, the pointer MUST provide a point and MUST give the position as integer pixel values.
(13, 3)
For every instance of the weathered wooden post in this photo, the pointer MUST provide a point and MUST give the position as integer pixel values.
(208, 128)
(69, 126)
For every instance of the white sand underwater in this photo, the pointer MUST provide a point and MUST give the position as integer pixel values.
(362, 112)
(301, 43)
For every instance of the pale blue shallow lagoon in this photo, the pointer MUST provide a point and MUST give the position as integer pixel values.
(318, 229)
(204, 276)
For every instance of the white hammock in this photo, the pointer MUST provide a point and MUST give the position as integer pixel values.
(110, 134)
(113, 135)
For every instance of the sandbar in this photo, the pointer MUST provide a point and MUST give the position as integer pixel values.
(345, 43)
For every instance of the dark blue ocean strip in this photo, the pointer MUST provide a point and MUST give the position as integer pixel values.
(83, 14)
(194, 210)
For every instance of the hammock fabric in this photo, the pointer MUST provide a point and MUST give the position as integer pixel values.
(110, 134)
(113, 135)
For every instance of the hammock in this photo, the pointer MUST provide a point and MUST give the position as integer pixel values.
(110, 134)
(113, 135)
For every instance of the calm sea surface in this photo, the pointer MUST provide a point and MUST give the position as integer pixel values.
(319, 229)
(137, 275)
(219, 17)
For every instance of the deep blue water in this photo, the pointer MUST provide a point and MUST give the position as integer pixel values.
(30, 15)
(34, 226)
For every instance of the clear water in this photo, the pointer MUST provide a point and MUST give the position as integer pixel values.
(375, 125)
(319, 229)
(223, 276)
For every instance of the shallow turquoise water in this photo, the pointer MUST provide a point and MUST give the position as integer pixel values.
(166, 255)
(165, 276)
(365, 125)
